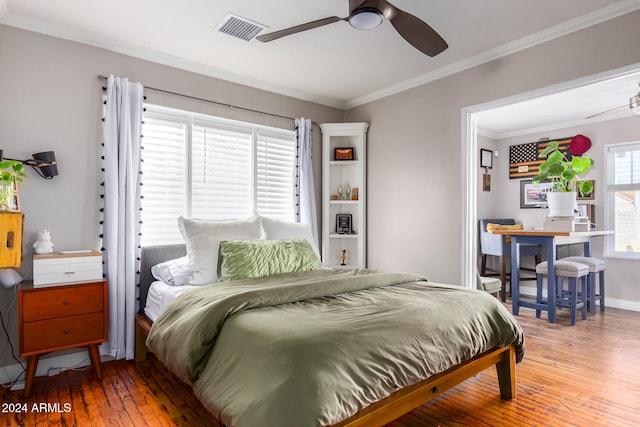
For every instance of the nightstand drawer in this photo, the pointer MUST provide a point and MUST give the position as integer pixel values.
(66, 331)
(57, 268)
(59, 302)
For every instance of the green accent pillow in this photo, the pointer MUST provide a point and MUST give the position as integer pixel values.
(245, 259)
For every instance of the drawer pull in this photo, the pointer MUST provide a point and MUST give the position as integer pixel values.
(65, 302)
(69, 272)
(66, 331)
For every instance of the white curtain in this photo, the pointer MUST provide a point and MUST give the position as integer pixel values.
(305, 190)
(123, 104)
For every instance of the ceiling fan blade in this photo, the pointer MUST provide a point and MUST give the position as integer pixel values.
(298, 28)
(606, 111)
(419, 34)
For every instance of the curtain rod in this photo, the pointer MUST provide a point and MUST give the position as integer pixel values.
(101, 77)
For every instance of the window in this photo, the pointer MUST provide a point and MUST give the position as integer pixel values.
(622, 210)
(206, 167)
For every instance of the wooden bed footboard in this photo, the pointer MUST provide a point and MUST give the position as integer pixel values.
(408, 398)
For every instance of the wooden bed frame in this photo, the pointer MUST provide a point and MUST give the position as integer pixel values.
(387, 409)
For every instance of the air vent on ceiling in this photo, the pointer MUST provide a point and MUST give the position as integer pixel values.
(241, 28)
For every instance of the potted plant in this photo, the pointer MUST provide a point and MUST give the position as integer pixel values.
(564, 174)
(11, 174)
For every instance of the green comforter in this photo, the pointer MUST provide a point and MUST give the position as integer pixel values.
(313, 348)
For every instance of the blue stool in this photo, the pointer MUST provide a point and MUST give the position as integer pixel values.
(571, 298)
(595, 266)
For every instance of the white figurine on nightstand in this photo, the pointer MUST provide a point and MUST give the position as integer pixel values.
(43, 244)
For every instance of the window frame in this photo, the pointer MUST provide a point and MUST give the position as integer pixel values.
(609, 198)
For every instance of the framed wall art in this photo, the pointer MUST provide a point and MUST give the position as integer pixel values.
(590, 196)
(534, 195)
(525, 160)
(486, 158)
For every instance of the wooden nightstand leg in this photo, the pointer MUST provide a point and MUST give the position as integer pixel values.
(94, 354)
(32, 365)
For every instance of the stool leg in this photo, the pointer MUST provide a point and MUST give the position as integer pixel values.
(591, 293)
(585, 284)
(573, 298)
(538, 292)
(601, 286)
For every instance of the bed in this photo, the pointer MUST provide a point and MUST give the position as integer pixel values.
(343, 348)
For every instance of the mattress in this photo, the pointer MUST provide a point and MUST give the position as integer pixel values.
(160, 296)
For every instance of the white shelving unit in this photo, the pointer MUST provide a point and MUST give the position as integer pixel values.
(351, 173)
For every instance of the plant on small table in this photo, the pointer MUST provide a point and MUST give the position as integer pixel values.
(11, 174)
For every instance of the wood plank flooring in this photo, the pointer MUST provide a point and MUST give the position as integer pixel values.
(586, 375)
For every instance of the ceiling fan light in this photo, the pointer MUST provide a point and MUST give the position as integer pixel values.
(366, 18)
(634, 104)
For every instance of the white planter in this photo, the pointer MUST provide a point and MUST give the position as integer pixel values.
(562, 204)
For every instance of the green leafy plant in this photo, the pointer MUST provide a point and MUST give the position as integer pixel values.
(564, 173)
(11, 171)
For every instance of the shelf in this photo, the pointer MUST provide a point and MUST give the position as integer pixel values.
(343, 202)
(344, 162)
(343, 236)
(343, 267)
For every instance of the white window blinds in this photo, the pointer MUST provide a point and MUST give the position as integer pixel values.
(205, 167)
(623, 200)
(221, 174)
(275, 181)
(164, 172)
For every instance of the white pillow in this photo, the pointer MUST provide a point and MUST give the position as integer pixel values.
(203, 238)
(275, 229)
(175, 272)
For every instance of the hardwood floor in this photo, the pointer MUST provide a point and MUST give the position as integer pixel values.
(586, 375)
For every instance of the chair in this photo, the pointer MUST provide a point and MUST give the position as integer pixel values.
(500, 246)
(595, 266)
(488, 284)
(572, 298)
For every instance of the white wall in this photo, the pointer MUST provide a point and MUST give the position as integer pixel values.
(414, 169)
(487, 200)
(50, 99)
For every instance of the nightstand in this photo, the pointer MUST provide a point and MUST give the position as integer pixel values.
(58, 317)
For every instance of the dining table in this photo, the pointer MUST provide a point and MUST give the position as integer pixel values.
(550, 240)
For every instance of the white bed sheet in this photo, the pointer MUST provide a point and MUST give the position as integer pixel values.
(160, 296)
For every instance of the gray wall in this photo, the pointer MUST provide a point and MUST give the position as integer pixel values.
(50, 99)
(414, 169)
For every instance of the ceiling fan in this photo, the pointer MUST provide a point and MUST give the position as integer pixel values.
(368, 14)
(634, 105)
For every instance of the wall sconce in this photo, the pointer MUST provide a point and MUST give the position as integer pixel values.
(44, 163)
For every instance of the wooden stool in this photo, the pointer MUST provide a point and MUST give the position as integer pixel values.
(595, 266)
(570, 299)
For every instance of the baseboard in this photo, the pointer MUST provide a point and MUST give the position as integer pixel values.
(609, 302)
(61, 363)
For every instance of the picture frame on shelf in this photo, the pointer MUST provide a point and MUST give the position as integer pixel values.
(590, 196)
(534, 195)
(344, 224)
(343, 153)
(354, 193)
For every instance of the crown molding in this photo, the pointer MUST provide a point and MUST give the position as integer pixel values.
(601, 15)
(624, 114)
(161, 58)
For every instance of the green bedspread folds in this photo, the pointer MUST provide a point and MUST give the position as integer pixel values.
(313, 348)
